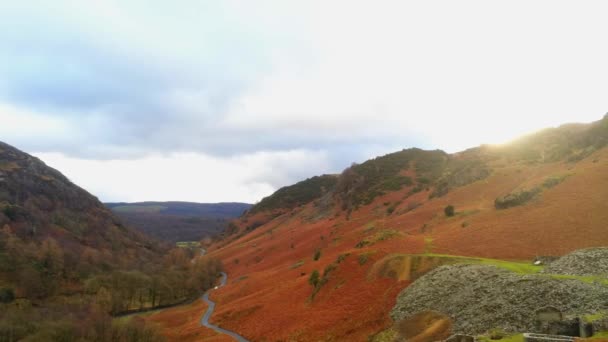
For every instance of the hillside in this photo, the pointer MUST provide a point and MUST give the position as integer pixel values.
(178, 221)
(330, 264)
(67, 263)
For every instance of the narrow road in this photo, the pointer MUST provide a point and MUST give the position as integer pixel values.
(205, 319)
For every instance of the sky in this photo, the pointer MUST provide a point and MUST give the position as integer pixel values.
(229, 100)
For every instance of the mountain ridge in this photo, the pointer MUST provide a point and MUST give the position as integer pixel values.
(540, 195)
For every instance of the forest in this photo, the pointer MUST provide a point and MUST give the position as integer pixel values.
(63, 297)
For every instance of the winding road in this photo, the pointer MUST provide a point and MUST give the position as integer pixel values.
(205, 319)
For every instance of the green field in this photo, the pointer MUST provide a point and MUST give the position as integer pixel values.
(521, 267)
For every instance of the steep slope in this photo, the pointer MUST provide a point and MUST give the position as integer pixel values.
(178, 221)
(38, 202)
(331, 269)
(66, 262)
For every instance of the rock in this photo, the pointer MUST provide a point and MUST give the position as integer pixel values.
(480, 297)
(583, 262)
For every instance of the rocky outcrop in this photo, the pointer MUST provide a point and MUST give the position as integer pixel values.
(479, 298)
(583, 262)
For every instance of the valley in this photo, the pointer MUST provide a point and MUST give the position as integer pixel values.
(331, 258)
(303, 171)
(178, 221)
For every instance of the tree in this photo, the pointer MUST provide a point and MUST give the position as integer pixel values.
(449, 211)
(317, 255)
(6, 295)
(51, 261)
(313, 280)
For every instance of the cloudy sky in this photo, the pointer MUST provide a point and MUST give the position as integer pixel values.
(229, 100)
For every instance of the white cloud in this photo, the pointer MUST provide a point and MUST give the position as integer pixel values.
(17, 123)
(284, 90)
(189, 176)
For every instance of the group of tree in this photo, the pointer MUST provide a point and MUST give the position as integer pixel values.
(36, 275)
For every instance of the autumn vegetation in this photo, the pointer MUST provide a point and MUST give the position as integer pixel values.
(68, 266)
(389, 220)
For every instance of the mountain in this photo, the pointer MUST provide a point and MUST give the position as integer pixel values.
(326, 258)
(187, 209)
(178, 221)
(67, 263)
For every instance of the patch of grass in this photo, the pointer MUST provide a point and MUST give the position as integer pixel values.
(513, 266)
(584, 279)
(517, 267)
(594, 317)
(296, 265)
(599, 335)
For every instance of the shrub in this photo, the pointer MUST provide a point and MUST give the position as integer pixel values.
(317, 255)
(449, 211)
(342, 257)
(313, 280)
(10, 211)
(6, 295)
(553, 181)
(363, 259)
(516, 198)
(362, 243)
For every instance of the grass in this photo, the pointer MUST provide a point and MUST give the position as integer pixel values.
(388, 335)
(519, 267)
(584, 279)
(594, 317)
(513, 266)
(599, 335)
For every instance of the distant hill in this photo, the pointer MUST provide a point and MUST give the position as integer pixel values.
(178, 221)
